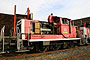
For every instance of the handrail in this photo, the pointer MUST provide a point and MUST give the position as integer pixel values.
(8, 37)
(2, 37)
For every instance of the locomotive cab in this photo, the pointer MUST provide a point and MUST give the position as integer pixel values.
(63, 26)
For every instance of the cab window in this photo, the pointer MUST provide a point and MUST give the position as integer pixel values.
(65, 21)
(56, 19)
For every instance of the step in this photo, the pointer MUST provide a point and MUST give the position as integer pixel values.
(2, 52)
(22, 50)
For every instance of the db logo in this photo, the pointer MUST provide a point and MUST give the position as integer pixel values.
(65, 29)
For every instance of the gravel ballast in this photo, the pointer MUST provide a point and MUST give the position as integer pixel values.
(60, 55)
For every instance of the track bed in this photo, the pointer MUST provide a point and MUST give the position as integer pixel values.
(70, 54)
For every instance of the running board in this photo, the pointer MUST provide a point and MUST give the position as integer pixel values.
(23, 51)
(2, 52)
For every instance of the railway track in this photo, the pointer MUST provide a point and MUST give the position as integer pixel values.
(26, 55)
(75, 55)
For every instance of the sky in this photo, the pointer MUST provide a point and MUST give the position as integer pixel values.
(72, 9)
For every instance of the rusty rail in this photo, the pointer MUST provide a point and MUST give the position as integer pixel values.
(75, 55)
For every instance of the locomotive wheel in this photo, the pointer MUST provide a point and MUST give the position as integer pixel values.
(71, 44)
(65, 45)
(43, 49)
(56, 46)
(38, 47)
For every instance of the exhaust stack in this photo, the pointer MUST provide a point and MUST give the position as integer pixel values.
(27, 13)
(14, 19)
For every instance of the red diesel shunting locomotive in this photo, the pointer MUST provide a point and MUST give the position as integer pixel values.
(56, 33)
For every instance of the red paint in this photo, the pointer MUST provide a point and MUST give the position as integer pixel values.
(28, 27)
(69, 26)
(60, 24)
(84, 25)
(27, 13)
(67, 30)
(46, 36)
(14, 19)
(88, 32)
(64, 29)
